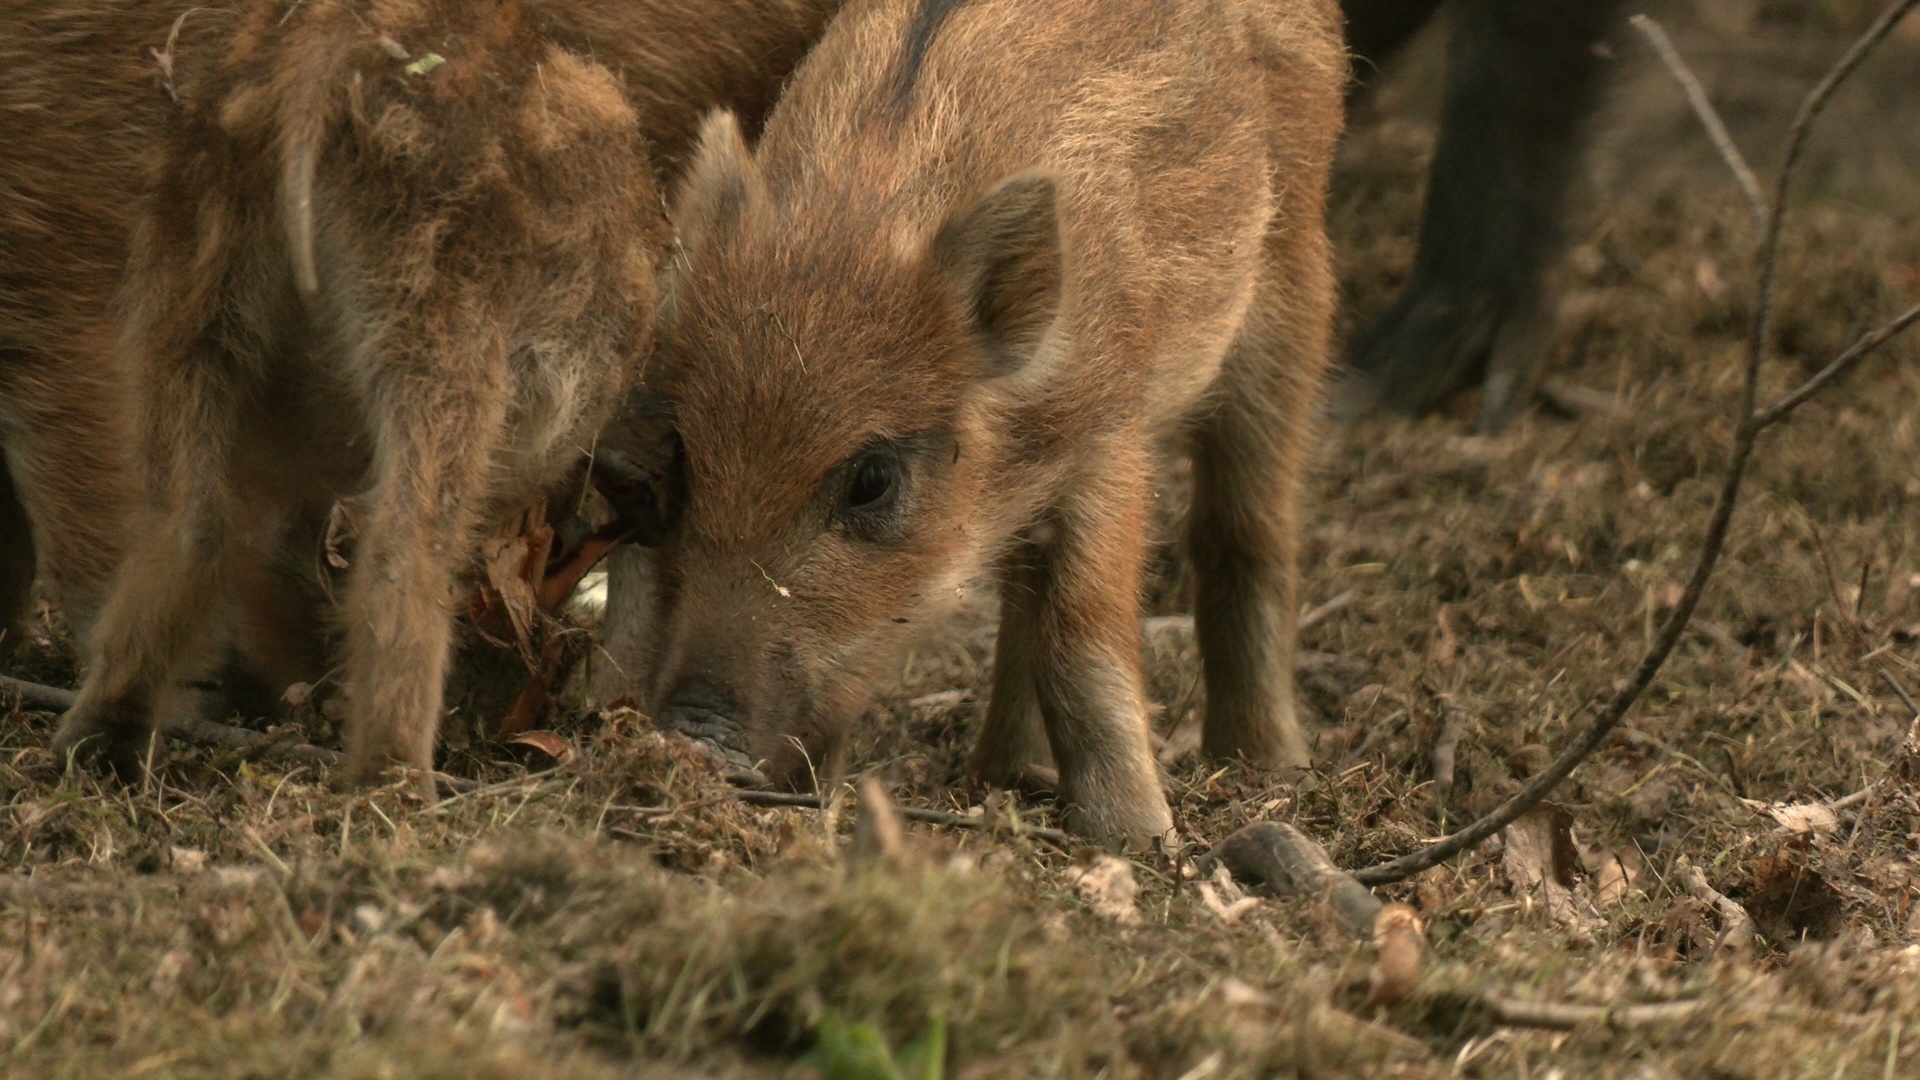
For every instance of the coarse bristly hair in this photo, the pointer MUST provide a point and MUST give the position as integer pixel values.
(987, 257)
(401, 255)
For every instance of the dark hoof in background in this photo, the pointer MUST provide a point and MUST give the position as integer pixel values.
(1428, 348)
(721, 736)
(1523, 78)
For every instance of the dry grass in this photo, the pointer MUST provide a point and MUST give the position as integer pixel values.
(618, 914)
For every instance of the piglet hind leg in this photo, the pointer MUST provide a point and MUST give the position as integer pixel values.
(162, 615)
(430, 475)
(1078, 620)
(1249, 454)
(17, 563)
(1013, 737)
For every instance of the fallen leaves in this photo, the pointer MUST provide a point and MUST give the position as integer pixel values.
(1106, 884)
(1399, 940)
(1809, 818)
(1286, 860)
(1736, 926)
(879, 833)
(1224, 897)
(1539, 859)
(1615, 875)
(547, 742)
(514, 559)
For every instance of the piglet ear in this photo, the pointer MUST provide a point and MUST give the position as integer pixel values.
(1002, 258)
(717, 184)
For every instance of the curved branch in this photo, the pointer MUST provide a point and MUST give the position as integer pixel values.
(1752, 423)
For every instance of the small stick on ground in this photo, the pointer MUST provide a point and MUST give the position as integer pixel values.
(1453, 724)
(1576, 401)
(801, 801)
(1847, 801)
(1287, 861)
(1709, 118)
(35, 696)
(1565, 1017)
(1736, 926)
(1320, 614)
(879, 836)
(249, 743)
(1905, 698)
(1910, 750)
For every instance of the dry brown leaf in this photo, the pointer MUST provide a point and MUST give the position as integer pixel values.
(1612, 884)
(514, 557)
(1539, 860)
(1107, 885)
(1445, 642)
(547, 742)
(1225, 898)
(1614, 877)
(879, 835)
(343, 524)
(1399, 939)
(940, 698)
(1540, 848)
(1805, 818)
(561, 580)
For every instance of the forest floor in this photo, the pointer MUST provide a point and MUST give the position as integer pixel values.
(619, 913)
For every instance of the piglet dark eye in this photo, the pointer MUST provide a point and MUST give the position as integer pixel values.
(874, 485)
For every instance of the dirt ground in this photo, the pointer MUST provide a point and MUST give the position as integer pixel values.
(619, 913)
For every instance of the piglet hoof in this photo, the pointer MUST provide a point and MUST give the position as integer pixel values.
(720, 737)
(1036, 781)
(1117, 819)
(366, 770)
(1128, 830)
(1279, 752)
(108, 740)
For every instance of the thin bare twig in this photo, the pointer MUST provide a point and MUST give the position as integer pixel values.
(35, 696)
(1839, 366)
(1736, 926)
(1287, 860)
(250, 743)
(1846, 802)
(1752, 423)
(802, 801)
(1319, 614)
(1562, 1016)
(1810, 109)
(1709, 117)
(1905, 698)
(1452, 726)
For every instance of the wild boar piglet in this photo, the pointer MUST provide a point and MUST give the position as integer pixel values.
(989, 257)
(397, 257)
